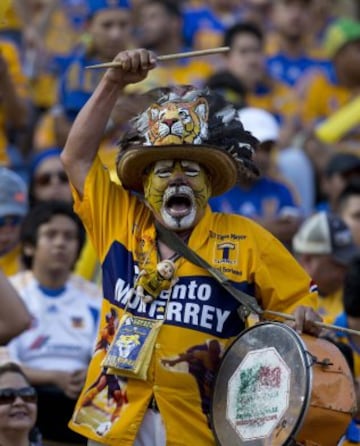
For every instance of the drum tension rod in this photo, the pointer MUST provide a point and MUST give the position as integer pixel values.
(326, 362)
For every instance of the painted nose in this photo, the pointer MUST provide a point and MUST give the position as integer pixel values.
(170, 122)
(178, 180)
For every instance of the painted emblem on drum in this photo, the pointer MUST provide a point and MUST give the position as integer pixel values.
(258, 394)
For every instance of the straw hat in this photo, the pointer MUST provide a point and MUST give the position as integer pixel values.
(183, 123)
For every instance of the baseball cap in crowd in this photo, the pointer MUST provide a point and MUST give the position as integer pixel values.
(13, 194)
(326, 233)
(342, 163)
(260, 123)
(339, 33)
(95, 6)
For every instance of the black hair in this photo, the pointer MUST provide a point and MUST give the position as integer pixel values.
(352, 188)
(171, 7)
(12, 367)
(242, 28)
(42, 213)
(352, 288)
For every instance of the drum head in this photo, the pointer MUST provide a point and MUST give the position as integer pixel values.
(263, 388)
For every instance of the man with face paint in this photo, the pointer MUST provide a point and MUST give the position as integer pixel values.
(183, 147)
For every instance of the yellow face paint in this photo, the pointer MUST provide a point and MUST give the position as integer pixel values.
(177, 192)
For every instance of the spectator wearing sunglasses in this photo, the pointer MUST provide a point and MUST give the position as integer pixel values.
(48, 180)
(18, 408)
(13, 208)
(57, 348)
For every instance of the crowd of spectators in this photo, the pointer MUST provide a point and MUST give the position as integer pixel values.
(293, 72)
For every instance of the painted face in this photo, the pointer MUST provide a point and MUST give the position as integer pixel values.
(177, 192)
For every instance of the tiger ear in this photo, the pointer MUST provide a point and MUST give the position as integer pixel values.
(202, 108)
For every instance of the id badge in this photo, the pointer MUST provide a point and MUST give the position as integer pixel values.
(130, 351)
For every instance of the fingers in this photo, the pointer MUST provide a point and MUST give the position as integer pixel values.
(135, 61)
(304, 321)
(309, 318)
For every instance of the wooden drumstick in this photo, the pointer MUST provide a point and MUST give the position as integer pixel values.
(222, 49)
(290, 317)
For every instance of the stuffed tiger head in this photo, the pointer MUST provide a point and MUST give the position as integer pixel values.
(185, 123)
(177, 123)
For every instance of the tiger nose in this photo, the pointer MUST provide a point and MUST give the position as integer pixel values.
(170, 122)
(178, 180)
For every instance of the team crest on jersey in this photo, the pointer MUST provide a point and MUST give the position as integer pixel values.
(226, 253)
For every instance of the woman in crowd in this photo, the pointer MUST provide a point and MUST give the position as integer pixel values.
(18, 408)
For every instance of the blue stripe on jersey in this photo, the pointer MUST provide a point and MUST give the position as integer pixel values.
(197, 302)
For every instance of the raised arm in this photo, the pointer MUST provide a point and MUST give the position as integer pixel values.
(14, 317)
(87, 130)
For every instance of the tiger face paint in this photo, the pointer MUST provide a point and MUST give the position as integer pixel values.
(177, 192)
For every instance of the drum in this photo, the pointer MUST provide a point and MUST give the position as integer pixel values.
(275, 387)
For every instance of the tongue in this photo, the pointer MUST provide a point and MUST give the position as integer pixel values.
(178, 209)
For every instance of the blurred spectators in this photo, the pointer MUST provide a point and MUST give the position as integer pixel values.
(324, 247)
(14, 99)
(259, 12)
(331, 104)
(49, 183)
(13, 208)
(51, 28)
(48, 179)
(159, 28)
(340, 169)
(108, 31)
(289, 44)
(55, 351)
(11, 24)
(350, 318)
(348, 207)
(205, 24)
(246, 74)
(266, 200)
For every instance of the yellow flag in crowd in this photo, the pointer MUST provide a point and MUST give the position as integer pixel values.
(4, 5)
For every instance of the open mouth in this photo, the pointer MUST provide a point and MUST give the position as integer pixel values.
(178, 201)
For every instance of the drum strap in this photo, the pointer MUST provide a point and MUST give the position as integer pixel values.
(172, 240)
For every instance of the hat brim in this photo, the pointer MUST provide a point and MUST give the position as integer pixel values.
(13, 209)
(221, 167)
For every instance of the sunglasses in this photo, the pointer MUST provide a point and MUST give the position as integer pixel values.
(9, 395)
(10, 220)
(45, 178)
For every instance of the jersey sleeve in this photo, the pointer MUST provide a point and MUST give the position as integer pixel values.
(281, 283)
(103, 208)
